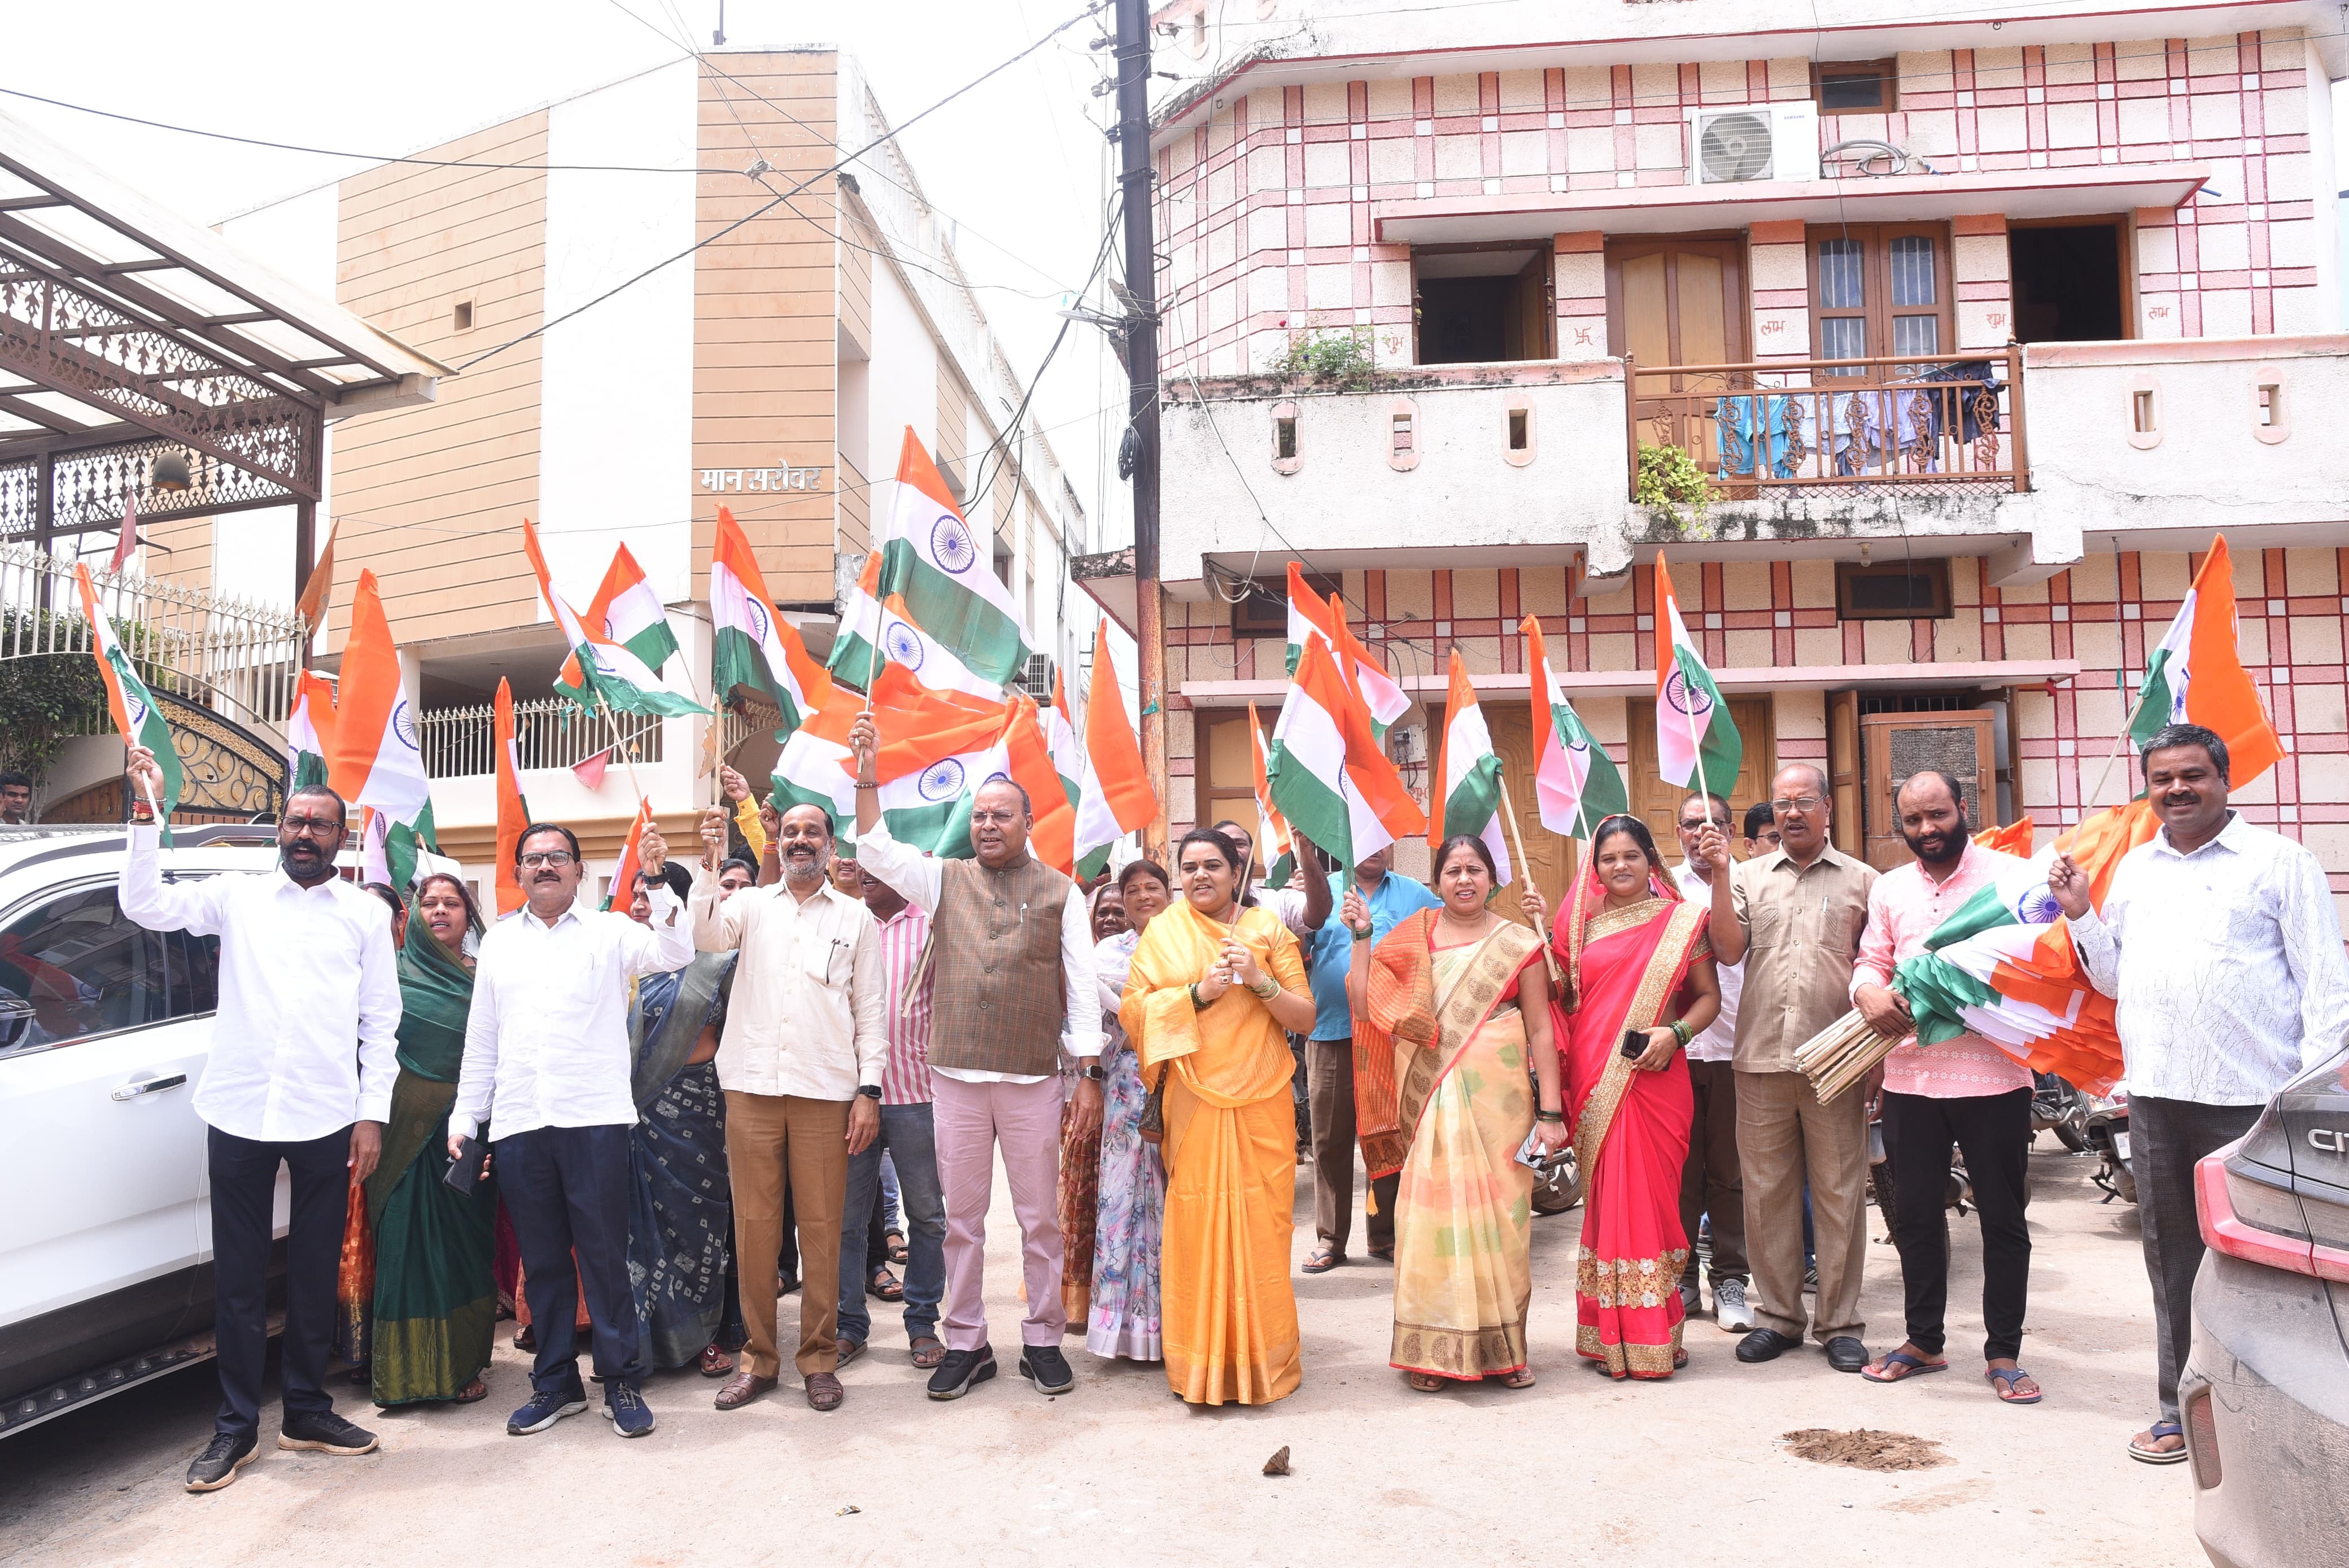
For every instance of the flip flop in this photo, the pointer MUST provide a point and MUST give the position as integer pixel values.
(2157, 1431)
(1916, 1366)
(2004, 1379)
(926, 1352)
(1322, 1261)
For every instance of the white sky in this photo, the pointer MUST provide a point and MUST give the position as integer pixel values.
(1014, 161)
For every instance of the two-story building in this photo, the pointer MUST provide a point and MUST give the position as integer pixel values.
(1930, 343)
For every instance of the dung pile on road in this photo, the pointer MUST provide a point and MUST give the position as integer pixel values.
(1865, 1449)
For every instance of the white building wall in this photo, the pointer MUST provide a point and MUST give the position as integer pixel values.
(903, 385)
(616, 443)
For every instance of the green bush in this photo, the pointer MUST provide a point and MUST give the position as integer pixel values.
(1342, 355)
(1670, 481)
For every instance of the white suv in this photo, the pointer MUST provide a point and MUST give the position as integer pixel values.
(105, 1228)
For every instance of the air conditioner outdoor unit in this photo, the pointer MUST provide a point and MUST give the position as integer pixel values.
(1741, 146)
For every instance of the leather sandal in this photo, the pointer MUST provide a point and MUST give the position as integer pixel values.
(824, 1391)
(1523, 1377)
(895, 1242)
(845, 1351)
(713, 1361)
(471, 1393)
(926, 1352)
(884, 1285)
(1426, 1382)
(743, 1388)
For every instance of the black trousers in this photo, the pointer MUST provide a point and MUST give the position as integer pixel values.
(566, 1190)
(2167, 1137)
(1994, 1131)
(244, 1175)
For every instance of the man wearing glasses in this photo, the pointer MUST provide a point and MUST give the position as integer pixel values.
(299, 1075)
(547, 1064)
(1013, 950)
(1793, 918)
(1710, 1184)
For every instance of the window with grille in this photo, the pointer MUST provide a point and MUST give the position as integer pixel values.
(1893, 590)
(1881, 291)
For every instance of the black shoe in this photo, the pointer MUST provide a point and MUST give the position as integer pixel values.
(1044, 1366)
(1845, 1354)
(1765, 1344)
(221, 1458)
(545, 1409)
(325, 1432)
(961, 1369)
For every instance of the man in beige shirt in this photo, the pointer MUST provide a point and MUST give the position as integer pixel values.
(1795, 918)
(799, 1060)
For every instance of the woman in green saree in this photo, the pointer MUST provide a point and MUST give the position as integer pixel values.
(418, 1302)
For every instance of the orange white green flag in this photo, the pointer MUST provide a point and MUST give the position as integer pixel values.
(1697, 746)
(308, 730)
(1328, 774)
(750, 644)
(1468, 775)
(1272, 836)
(514, 811)
(623, 891)
(374, 759)
(1313, 617)
(931, 744)
(2195, 676)
(599, 672)
(1027, 760)
(140, 722)
(1114, 793)
(874, 633)
(1576, 783)
(945, 574)
(627, 612)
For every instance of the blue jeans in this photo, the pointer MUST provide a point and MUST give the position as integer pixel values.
(906, 1136)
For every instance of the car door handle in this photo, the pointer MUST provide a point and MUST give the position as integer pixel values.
(138, 1086)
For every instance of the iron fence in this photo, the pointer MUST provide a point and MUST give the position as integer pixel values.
(549, 732)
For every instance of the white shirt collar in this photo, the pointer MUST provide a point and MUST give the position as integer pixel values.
(2230, 836)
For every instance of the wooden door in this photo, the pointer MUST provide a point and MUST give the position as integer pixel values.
(1659, 804)
(1847, 823)
(1550, 857)
(1899, 744)
(1674, 302)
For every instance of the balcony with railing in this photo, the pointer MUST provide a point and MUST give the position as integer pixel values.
(549, 732)
(1834, 429)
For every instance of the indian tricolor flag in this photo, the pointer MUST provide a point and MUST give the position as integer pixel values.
(749, 643)
(514, 811)
(1061, 739)
(1114, 793)
(874, 631)
(373, 757)
(627, 612)
(308, 730)
(945, 574)
(133, 706)
(2002, 966)
(1029, 761)
(1272, 839)
(1696, 745)
(1576, 784)
(2195, 676)
(1328, 775)
(600, 672)
(1468, 775)
(1310, 616)
(931, 746)
(622, 893)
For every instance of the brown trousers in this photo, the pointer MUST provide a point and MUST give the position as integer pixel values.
(1329, 1092)
(777, 1144)
(1709, 1182)
(1785, 1136)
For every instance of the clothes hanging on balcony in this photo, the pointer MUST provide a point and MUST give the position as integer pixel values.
(1871, 428)
(1759, 432)
(1965, 403)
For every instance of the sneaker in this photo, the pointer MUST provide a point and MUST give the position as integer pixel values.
(543, 1410)
(961, 1369)
(627, 1410)
(222, 1457)
(1729, 1308)
(1811, 1280)
(1692, 1299)
(324, 1432)
(1044, 1366)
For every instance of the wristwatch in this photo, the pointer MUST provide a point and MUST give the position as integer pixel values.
(1092, 1070)
(870, 1090)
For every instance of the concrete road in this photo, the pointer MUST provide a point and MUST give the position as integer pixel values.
(1577, 1469)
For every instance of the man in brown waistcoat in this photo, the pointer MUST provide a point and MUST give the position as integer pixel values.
(1012, 945)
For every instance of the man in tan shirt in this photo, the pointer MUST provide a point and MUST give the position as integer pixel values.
(805, 1039)
(1795, 919)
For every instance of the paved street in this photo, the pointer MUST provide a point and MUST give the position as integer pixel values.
(1574, 1470)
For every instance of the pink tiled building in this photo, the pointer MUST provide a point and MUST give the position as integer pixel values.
(1935, 345)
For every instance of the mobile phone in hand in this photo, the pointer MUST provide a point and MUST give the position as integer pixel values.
(1635, 1044)
(465, 1170)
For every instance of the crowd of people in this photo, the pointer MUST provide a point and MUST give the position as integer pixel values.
(781, 1069)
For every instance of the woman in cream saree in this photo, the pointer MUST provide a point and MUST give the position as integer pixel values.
(1212, 988)
(1457, 999)
(1638, 969)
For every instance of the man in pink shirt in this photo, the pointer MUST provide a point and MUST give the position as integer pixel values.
(1965, 1091)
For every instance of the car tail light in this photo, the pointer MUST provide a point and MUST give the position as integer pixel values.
(2202, 1439)
(2232, 1208)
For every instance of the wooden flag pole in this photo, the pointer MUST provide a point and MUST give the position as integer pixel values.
(2088, 801)
(612, 727)
(1509, 813)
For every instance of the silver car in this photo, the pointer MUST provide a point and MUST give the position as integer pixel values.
(2265, 1392)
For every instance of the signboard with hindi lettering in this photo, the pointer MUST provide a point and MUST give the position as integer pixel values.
(783, 477)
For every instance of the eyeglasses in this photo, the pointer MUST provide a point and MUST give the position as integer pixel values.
(312, 827)
(1805, 803)
(558, 859)
(995, 818)
(1697, 824)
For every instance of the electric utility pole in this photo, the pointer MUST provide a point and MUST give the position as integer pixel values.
(1134, 185)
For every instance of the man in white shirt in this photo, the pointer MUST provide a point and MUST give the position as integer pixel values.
(1012, 947)
(805, 1039)
(1711, 1186)
(299, 1074)
(2219, 944)
(547, 1064)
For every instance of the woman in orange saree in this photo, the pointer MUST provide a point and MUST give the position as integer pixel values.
(1212, 989)
(1459, 998)
(1639, 972)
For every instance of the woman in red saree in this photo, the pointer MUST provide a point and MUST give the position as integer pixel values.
(1638, 964)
